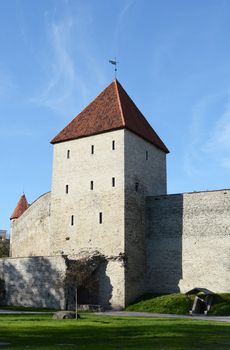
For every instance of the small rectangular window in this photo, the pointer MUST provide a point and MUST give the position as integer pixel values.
(146, 155)
(113, 145)
(72, 220)
(113, 181)
(66, 188)
(68, 154)
(136, 186)
(91, 185)
(100, 218)
(92, 149)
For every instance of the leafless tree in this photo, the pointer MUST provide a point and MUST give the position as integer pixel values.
(80, 273)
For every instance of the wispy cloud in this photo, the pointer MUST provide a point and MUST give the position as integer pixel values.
(127, 4)
(124, 10)
(72, 62)
(218, 142)
(196, 136)
(209, 136)
(63, 81)
(71, 66)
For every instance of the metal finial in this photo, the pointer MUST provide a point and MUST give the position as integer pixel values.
(114, 62)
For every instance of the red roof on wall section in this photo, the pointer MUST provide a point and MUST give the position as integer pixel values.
(112, 109)
(20, 208)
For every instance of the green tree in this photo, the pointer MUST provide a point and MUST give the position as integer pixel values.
(4, 248)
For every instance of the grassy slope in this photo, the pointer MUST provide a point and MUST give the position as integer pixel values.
(101, 332)
(222, 307)
(177, 304)
(169, 304)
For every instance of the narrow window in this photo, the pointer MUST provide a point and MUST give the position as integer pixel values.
(72, 220)
(92, 149)
(113, 181)
(100, 218)
(146, 155)
(68, 154)
(66, 188)
(91, 185)
(136, 186)
(113, 145)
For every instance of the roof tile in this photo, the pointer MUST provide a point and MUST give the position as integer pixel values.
(112, 109)
(21, 207)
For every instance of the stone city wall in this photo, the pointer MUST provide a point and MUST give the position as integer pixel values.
(30, 233)
(39, 282)
(33, 281)
(188, 242)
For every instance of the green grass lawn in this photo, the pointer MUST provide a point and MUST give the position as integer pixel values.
(103, 332)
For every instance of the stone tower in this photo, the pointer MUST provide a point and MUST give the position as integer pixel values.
(109, 196)
(106, 161)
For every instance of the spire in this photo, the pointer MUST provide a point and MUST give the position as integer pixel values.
(20, 208)
(111, 110)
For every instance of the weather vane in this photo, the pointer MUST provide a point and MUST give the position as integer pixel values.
(114, 62)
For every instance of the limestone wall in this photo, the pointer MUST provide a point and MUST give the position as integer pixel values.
(188, 242)
(84, 203)
(39, 282)
(34, 281)
(75, 166)
(30, 233)
(145, 174)
(112, 285)
(149, 170)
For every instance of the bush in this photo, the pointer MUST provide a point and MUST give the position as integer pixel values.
(4, 248)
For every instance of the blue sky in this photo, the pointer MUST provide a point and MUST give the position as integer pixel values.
(174, 61)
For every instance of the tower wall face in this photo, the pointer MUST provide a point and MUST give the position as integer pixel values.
(145, 175)
(188, 242)
(95, 185)
(83, 203)
(150, 172)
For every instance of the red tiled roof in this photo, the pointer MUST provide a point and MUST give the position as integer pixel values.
(112, 109)
(20, 208)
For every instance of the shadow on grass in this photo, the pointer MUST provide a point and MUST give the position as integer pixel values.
(91, 332)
